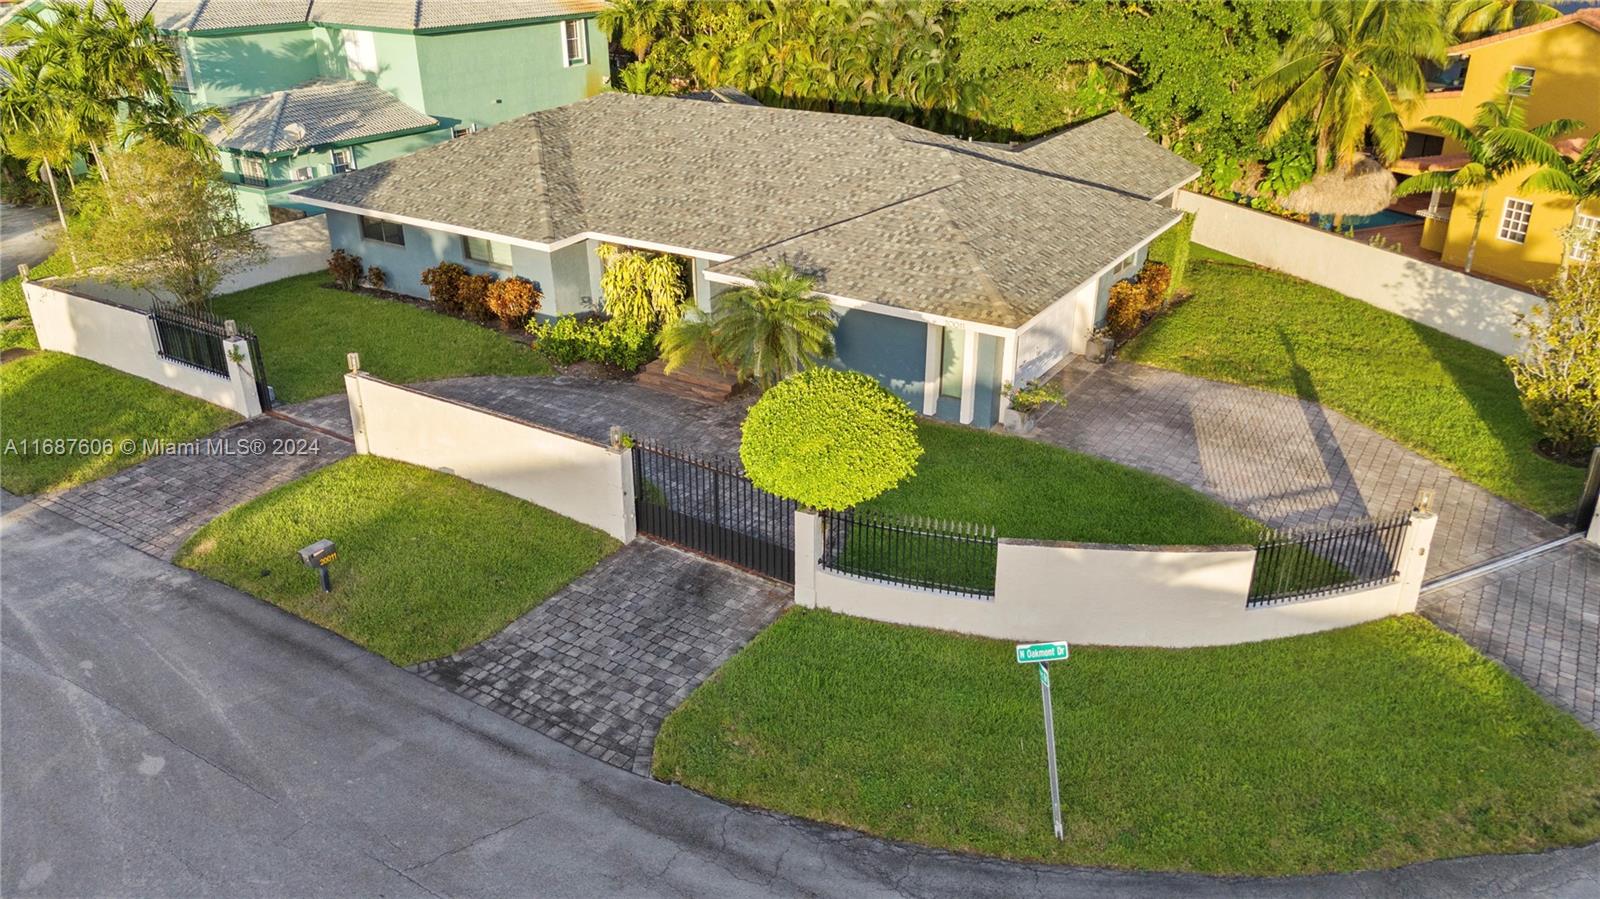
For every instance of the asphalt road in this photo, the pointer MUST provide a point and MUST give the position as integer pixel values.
(163, 735)
(28, 235)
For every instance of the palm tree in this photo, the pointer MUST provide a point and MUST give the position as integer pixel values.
(1349, 73)
(1470, 18)
(34, 126)
(635, 24)
(1497, 143)
(764, 333)
(1577, 179)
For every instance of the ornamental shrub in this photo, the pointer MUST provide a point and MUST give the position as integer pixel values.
(829, 439)
(513, 300)
(376, 279)
(569, 339)
(1558, 372)
(474, 297)
(345, 269)
(1125, 309)
(1156, 279)
(644, 289)
(444, 285)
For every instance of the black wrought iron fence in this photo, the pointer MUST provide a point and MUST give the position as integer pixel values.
(193, 337)
(1327, 559)
(950, 556)
(709, 506)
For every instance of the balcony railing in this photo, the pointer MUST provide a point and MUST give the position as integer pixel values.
(251, 180)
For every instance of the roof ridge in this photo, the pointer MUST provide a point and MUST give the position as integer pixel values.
(1588, 15)
(277, 118)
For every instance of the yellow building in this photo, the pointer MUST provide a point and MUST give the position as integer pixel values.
(1519, 240)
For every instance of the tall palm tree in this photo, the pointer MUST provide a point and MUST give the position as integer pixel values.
(1352, 70)
(764, 333)
(1497, 142)
(34, 126)
(1576, 179)
(1468, 19)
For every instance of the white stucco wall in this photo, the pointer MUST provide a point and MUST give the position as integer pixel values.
(584, 481)
(1111, 595)
(1061, 329)
(1457, 304)
(124, 339)
(293, 248)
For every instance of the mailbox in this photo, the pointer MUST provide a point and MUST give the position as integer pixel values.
(318, 554)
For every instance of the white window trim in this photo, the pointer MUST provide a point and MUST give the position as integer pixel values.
(1505, 217)
(582, 25)
(466, 250)
(251, 167)
(333, 159)
(463, 129)
(1585, 222)
(1531, 72)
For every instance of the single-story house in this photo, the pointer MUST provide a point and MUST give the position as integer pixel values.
(955, 267)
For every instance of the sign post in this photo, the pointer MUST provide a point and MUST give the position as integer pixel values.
(1043, 654)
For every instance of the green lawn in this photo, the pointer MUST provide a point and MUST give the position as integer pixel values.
(53, 396)
(428, 563)
(1373, 746)
(306, 328)
(14, 306)
(1449, 400)
(1032, 490)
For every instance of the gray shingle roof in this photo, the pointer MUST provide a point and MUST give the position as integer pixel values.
(1112, 150)
(877, 210)
(314, 114)
(411, 15)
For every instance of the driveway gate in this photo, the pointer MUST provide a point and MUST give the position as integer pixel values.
(710, 507)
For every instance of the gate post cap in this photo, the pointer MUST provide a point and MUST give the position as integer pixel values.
(353, 360)
(230, 328)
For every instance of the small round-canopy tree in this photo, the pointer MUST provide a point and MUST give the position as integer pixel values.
(829, 439)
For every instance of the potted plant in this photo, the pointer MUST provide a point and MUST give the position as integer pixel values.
(1027, 403)
(1100, 345)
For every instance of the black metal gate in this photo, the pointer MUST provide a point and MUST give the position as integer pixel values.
(194, 338)
(707, 505)
(1324, 559)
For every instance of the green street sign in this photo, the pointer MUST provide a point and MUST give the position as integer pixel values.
(1029, 653)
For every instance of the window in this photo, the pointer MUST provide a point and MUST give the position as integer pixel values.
(574, 42)
(252, 169)
(360, 52)
(463, 129)
(382, 231)
(480, 250)
(951, 370)
(343, 160)
(1123, 266)
(1585, 229)
(180, 76)
(1525, 87)
(1514, 220)
(304, 173)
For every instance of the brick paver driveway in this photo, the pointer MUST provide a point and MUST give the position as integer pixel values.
(156, 505)
(1540, 618)
(599, 665)
(1278, 459)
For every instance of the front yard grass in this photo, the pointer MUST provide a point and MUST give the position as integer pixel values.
(1445, 398)
(1031, 490)
(428, 563)
(1373, 746)
(53, 396)
(307, 327)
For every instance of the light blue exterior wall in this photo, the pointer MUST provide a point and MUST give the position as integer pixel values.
(892, 350)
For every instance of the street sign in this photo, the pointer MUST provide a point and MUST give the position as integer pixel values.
(1042, 654)
(1029, 653)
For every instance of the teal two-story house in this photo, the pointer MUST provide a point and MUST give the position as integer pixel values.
(315, 88)
(953, 267)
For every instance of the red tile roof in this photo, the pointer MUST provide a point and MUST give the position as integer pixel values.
(1589, 16)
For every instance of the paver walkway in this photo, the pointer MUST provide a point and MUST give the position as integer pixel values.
(156, 505)
(1540, 618)
(1278, 459)
(599, 665)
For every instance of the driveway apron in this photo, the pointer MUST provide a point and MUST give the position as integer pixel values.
(156, 505)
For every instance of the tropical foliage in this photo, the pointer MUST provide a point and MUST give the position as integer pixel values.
(607, 341)
(643, 289)
(1576, 179)
(1349, 72)
(1496, 143)
(764, 333)
(1558, 373)
(829, 439)
(1472, 18)
(163, 221)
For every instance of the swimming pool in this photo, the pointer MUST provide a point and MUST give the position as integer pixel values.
(1363, 222)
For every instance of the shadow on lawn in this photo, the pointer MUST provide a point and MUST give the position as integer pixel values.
(1349, 503)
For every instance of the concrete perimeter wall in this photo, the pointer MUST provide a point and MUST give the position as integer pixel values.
(1110, 595)
(1460, 305)
(584, 481)
(124, 338)
(293, 248)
